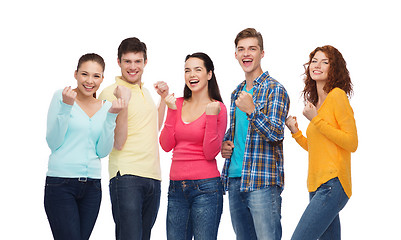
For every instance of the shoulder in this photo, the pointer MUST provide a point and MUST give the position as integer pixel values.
(107, 93)
(58, 95)
(338, 93)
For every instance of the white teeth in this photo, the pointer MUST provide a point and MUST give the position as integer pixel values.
(193, 81)
(88, 87)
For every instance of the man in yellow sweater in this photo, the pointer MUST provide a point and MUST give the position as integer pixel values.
(134, 165)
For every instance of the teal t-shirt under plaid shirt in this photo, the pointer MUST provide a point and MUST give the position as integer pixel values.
(263, 162)
(241, 130)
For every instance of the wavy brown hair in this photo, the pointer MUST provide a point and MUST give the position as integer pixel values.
(338, 75)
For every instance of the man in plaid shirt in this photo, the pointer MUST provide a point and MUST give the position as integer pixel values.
(253, 172)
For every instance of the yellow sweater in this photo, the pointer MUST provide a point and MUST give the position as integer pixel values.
(331, 137)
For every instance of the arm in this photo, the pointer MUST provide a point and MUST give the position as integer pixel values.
(57, 120)
(346, 135)
(214, 132)
(167, 135)
(270, 126)
(161, 89)
(106, 139)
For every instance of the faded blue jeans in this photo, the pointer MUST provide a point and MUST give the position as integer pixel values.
(256, 214)
(194, 209)
(321, 217)
(135, 203)
(72, 206)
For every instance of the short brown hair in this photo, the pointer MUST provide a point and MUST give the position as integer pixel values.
(132, 44)
(249, 33)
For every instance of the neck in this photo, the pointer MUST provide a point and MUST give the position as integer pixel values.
(320, 92)
(251, 76)
(199, 97)
(84, 98)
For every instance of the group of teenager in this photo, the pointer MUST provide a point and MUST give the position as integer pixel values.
(123, 122)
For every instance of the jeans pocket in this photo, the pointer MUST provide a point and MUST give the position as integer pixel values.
(55, 181)
(209, 185)
(97, 184)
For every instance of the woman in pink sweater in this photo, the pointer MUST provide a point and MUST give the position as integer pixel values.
(194, 130)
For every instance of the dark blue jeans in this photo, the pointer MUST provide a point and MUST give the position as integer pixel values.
(321, 218)
(255, 214)
(194, 209)
(135, 202)
(72, 206)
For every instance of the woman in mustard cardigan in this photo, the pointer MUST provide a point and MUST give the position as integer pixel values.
(331, 137)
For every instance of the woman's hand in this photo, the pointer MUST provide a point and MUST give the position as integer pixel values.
(310, 111)
(292, 124)
(213, 108)
(170, 101)
(69, 96)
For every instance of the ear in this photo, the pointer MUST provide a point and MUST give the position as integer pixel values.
(118, 62)
(146, 62)
(209, 75)
(75, 74)
(262, 53)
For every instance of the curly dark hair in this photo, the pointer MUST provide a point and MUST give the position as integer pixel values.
(338, 75)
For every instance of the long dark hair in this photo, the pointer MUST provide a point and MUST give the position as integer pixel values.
(338, 75)
(213, 87)
(94, 58)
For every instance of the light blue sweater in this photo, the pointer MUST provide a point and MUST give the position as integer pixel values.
(77, 142)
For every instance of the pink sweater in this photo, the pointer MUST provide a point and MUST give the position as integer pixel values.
(195, 144)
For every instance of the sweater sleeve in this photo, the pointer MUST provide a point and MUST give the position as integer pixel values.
(346, 135)
(58, 117)
(214, 133)
(167, 135)
(106, 139)
(301, 140)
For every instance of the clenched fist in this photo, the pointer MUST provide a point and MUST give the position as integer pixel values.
(117, 105)
(69, 96)
(227, 149)
(310, 111)
(124, 93)
(292, 124)
(245, 102)
(213, 108)
(170, 101)
(161, 88)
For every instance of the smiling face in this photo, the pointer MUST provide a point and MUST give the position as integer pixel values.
(196, 75)
(319, 67)
(132, 65)
(89, 76)
(249, 55)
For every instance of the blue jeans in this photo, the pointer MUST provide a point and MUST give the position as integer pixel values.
(321, 218)
(194, 209)
(72, 206)
(256, 214)
(135, 202)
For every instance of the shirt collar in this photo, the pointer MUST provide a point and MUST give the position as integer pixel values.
(261, 78)
(121, 82)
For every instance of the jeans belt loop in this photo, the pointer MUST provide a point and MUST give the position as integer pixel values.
(83, 179)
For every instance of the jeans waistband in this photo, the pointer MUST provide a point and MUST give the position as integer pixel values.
(79, 179)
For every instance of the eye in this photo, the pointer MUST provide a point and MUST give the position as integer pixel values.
(326, 62)
(314, 61)
(84, 74)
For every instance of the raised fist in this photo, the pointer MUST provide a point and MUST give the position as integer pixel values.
(69, 96)
(213, 108)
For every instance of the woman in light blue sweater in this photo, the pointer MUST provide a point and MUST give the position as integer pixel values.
(80, 131)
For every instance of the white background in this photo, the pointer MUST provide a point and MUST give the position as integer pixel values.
(41, 42)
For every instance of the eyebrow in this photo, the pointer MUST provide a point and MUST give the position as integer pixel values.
(323, 59)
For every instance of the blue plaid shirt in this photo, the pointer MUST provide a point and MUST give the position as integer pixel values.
(263, 163)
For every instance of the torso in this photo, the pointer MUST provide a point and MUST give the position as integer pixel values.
(192, 110)
(91, 107)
